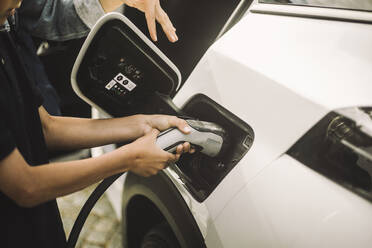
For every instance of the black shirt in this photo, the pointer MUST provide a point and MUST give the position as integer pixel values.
(20, 127)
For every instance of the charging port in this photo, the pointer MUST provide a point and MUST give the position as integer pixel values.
(200, 173)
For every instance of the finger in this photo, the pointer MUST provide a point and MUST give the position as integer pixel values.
(172, 158)
(177, 158)
(172, 162)
(153, 172)
(161, 166)
(179, 149)
(192, 149)
(181, 124)
(144, 174)
(166, 24)
(150, 9)
(186, 147)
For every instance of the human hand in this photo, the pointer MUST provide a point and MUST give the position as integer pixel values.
(147, 158)
(153, 11)
(164, 122)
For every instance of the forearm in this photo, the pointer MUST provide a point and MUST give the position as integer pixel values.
(30, 186)
(66, 133)
(59, 179)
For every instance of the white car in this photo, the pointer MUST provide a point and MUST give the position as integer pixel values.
(291, 83)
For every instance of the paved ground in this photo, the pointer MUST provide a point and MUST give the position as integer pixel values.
(102, 229)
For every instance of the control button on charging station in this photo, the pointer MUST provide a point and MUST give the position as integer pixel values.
(130, 85)
(110, 84)
(125, 82)
(119, 78)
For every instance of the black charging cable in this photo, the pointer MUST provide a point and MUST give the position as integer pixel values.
(87, 208)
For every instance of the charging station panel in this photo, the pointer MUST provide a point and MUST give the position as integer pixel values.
(119, 69)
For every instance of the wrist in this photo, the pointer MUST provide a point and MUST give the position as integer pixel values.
(131, 155)
(120, 160)
(131, 128)
(144, 123)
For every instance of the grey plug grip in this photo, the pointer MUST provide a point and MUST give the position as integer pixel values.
(210, 143)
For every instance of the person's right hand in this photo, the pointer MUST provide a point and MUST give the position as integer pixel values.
(147, 159)
(153, 11)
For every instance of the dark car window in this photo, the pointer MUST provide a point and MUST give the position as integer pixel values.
(342, 4)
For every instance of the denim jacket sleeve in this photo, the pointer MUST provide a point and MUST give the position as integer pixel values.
(59, 20)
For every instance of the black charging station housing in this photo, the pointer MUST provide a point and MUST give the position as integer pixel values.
(121, 72)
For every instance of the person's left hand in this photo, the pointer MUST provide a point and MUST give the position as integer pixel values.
(153, 11)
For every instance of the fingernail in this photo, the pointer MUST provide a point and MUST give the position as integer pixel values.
(187, 129)
(175, 38)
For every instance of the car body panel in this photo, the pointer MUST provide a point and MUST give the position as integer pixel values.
(289, 205)
(358, 14)
(273, 135)
(315, 58)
